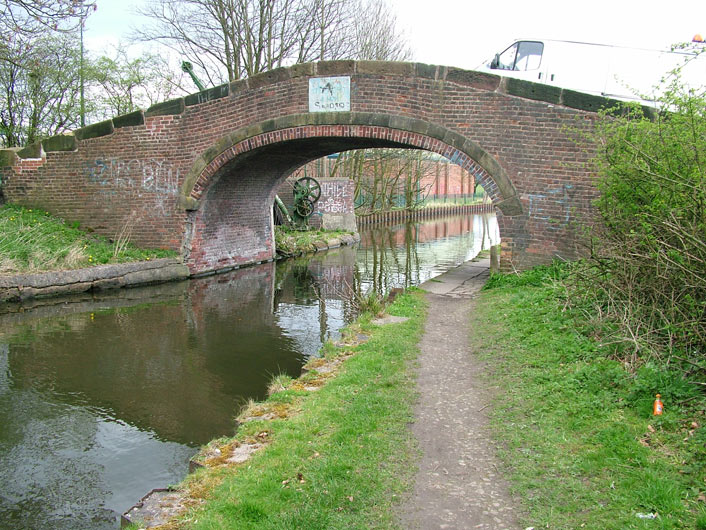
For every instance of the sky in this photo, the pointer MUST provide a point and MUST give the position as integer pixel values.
(465, 33)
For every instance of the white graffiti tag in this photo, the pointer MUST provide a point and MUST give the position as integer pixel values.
(159, 176)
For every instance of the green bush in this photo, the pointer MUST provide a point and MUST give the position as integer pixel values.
(647, 269)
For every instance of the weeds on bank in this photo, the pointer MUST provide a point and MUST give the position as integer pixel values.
(576, 425)
(344, 457)
(535, 277)
(31, 240)
(291, 242)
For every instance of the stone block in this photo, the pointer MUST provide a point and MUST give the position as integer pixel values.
(270, 77)
(385, 68)
(129, 120)
(429, 71)
(302, 70)
(480, 80)
(103, 128)
(535, 91)
(61, 142)
(8, 157)
(511, 206)
(167, 108)
(238, 86)
(210, 94)
(589, 102)
(31, 151)
(333, 68)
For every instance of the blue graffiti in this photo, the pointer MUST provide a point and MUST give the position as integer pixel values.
(538, 203)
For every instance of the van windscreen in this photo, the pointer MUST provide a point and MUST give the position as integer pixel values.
(521, 56)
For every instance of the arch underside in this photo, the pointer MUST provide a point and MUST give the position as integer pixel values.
(230, 194)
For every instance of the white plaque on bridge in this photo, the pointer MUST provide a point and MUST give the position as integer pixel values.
(330, 94)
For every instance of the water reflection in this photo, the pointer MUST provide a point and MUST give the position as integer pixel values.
(410, 254)
(103, 398)
(99, 407)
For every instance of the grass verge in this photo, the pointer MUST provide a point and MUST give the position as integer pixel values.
(338, 454)
(577, 428)
(31, 240)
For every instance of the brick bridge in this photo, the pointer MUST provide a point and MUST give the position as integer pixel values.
(198, 174)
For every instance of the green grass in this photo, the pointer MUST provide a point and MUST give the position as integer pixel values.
(536, 277)
(346, 456)
(576, 427)
(31, 240)
(294, 242)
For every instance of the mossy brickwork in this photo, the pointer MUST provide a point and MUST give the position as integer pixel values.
(198, 174)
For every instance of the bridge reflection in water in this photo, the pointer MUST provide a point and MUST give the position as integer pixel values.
(103, 398)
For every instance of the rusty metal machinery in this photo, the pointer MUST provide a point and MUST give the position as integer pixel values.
(306, 192)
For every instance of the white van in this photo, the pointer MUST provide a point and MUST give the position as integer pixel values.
(628, 74)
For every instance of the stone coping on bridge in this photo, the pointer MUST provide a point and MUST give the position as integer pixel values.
(481, 80)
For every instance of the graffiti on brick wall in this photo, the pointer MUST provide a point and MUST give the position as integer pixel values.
(159, 176)
(554, 205)
(336, 197)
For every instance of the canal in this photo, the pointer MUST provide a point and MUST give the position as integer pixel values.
(104, 397)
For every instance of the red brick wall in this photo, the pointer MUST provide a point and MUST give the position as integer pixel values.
(203, 178)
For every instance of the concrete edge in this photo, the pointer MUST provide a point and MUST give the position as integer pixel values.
(55, 283)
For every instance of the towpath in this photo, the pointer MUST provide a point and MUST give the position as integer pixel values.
(460, 482)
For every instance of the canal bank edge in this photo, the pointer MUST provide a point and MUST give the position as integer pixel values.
(21, 287)
(287, 400)
(101, 277)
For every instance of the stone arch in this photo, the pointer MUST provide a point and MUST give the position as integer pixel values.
(227, 225)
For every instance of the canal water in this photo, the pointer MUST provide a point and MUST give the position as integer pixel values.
(104, 397)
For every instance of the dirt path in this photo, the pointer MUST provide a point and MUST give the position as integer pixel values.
(459, 483)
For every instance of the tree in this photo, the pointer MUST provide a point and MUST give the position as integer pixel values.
(120, 84)
(32, 16)
(23, 20)
(386, 178)
(39, 67)
(231, 39)
(376, 34)
(39, 89)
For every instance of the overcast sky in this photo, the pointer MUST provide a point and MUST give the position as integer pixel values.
(465, 33)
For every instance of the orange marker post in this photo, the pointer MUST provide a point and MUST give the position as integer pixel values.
(657, 407)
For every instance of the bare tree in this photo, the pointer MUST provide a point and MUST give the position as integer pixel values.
(121, 84)
(23, 19)
(39, 89)
(231, 39)
(376, 34)
(386, 178)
